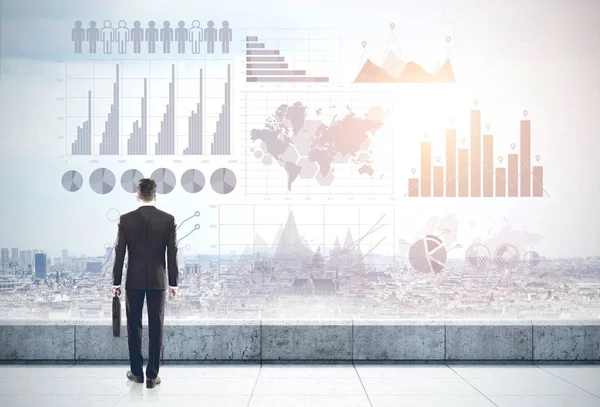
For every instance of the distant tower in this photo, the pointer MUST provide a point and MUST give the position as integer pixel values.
(40, 265)
(5, 257)
(318, 261)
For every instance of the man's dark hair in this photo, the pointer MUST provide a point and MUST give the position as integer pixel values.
(146, 189)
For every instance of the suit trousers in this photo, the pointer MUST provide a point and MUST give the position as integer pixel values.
(134, 301)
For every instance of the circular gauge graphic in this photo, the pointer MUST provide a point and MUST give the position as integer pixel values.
(223, 181)
(102, 181)
(506, 255)
(113, 214)
(193, 181)
(532, 259)
(130, 179)
(72, 181)
(478, 256)
(165, 180)
(428, 255)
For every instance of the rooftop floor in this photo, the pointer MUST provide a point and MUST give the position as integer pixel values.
(304, 385)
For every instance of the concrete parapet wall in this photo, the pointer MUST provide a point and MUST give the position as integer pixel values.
(258, 341)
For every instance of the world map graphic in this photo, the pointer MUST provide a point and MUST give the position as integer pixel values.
(311, 148)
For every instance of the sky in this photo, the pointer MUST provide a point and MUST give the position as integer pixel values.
(540, 56)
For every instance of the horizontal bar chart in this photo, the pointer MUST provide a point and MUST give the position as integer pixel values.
(266, 56)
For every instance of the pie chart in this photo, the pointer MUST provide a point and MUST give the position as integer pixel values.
(72, 181)
(532, 259)
(102, 181)
(223, 181)
(428, 255)
(165, 180)
(478, 256)
(506, 255)
(193, 181)
(130, 179)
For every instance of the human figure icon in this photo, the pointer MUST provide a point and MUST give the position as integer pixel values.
(137, 36)
(152, 37)
(196, 36)
(78, 36)
(107, 36)
(122, 37)
(210, 36)
(225, 36)
(181, 36)
(166, 36)
(92, 36)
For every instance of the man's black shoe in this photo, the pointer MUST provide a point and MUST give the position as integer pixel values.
(150, 383)
(134, 378)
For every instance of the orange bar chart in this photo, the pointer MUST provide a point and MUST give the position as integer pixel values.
(513, 175)
(475, 153)
(413, 187)
(488, 165)
(463, 172)
(470, 172)
(501, 182)
(538, 182)
(451, 162)
(426, 168)
(438, 181)
(525, 169)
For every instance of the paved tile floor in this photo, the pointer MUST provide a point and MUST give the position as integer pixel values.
(304, 385)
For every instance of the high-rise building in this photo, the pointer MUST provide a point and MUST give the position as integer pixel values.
(48, 261)
(40, 265)
(22, 257)
(4, 259)
(65, 256)
(14, 254)
(57, 261)
(29, 257)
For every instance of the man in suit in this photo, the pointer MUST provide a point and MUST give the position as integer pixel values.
(146, 233)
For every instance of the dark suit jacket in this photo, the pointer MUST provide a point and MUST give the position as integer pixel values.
(146, 233)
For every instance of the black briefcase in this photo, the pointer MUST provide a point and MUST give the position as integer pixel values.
(116, 315)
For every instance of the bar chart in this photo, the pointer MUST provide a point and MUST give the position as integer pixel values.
(148, 107)
(292, 55)
(472, 172)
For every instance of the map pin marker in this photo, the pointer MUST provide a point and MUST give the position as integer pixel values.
(438, 158)
(462, 140)
(500, 159)
(525, 113)
(488, 126)
(448, 39)
(364, 44)
(413, 170)
(392, 26)
(475, 102)
(513, 146)
(537, 158)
